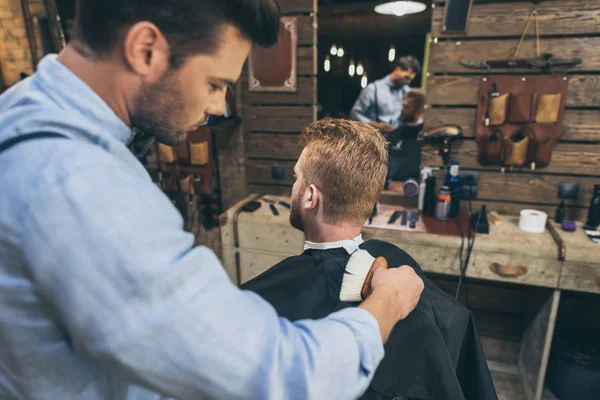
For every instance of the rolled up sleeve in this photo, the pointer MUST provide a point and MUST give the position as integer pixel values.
(107, 251)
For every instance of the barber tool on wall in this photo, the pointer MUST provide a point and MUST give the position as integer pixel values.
(444, 136)
(492, 93)
(544, 62)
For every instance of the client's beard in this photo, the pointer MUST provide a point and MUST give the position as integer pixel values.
(160, 111)
(296, 214)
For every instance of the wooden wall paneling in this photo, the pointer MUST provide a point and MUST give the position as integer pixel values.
(446, 54)
(297, 6)
(306, 30)
(270, 189)
(579, 125)
(277, 119)
(556, 17)
(273, 145)
(306, 61)
(567, 158)
(531, 188)
(584, 90)
(514, 208)
(306, 94)
(260, 172)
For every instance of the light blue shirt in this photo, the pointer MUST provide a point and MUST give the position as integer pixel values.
(380, 101)
(101, 289)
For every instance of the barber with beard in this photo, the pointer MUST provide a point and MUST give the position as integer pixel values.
(380, 103)
(102, 294)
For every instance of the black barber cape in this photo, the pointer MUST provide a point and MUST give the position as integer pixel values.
(434, 353)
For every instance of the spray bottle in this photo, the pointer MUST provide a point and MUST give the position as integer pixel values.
(425, 173)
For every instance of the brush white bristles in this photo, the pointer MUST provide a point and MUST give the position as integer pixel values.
(357, 269)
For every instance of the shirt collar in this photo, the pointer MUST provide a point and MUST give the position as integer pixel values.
(349, 245)
(69, 90)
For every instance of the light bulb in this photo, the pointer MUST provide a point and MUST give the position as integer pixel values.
(340, 52)
(392, 54)
(351, 68)
(363, 81)
(359, 69)
(399, 8)
(327, 65)
(333, 50)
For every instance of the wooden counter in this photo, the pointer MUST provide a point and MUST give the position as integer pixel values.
(253, 242)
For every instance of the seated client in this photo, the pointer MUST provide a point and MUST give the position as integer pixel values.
(435, 353)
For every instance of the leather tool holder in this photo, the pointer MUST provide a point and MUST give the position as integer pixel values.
(534, 107)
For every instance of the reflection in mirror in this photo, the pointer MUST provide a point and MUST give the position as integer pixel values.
(370, 69)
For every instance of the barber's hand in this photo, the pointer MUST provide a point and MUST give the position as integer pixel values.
(382, 126)
(407, 285)
(395, 294)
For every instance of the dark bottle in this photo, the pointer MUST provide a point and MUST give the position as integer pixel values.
(560, 213)
(430, 197)
(593, 217)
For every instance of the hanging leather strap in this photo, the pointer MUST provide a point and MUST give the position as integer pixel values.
(32, 136)
(532, 16)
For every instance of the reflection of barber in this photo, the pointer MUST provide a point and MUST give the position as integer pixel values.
(405, 148)
(380, 103)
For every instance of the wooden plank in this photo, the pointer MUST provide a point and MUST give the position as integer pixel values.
(445, 55)
(260, 171)
(305, 95)
(306, 30)
(556, 17)
(580, 276)
(271, 145)
(567, 158)
(531, 188)
(535, 351)
(306, 61)
(277, 119)
(584, 90)
(270, 189)
(512, 208)
(297, 6)
(578, 125)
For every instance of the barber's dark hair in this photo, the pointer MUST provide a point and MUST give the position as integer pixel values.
(190, 26)
(406, 63)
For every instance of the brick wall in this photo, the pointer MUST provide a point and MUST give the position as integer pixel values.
(15, 56)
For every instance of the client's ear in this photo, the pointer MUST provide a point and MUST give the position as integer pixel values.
(314, 197)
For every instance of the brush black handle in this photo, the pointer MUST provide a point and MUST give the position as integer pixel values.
(394, 217)
(286, 205)
(273, 210)
(404, 218)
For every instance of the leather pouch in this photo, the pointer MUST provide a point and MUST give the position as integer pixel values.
(516, 150)
(186, 184)
(547, 108)
(166, 154)
(491, 148)
(520, 108)
(199, 153)
(497, 109)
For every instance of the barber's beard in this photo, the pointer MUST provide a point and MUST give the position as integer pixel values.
(160, 112)
(296, 214)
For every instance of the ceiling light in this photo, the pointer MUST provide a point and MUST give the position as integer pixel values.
(327, 65)
(400, 8)
(333, 50)
(363, 81)
(351, 68)
(392, 54)
(340, 52)
(359, 69)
